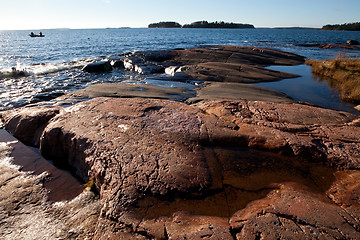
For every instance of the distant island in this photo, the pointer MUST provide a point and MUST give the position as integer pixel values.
(200, 24)
(205, 24)
(343, 27)
(165, 25)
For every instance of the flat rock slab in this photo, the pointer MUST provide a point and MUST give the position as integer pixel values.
(212, 91)
(235, 64)
(236, 54)
(233, 72)
(217, 63)
(130, 90)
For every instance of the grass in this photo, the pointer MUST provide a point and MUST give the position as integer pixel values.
(342, 73)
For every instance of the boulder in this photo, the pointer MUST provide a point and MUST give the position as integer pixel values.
(172, 70)
(102, 66)
(161, 149)
(28, 123)
(353, 42)
(118, 64)
(141, 65)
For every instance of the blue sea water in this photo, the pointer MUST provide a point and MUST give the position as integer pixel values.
(52, 64)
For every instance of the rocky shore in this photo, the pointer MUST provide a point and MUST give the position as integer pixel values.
(224, 161)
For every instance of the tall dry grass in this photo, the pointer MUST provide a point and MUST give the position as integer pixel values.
(342, 73)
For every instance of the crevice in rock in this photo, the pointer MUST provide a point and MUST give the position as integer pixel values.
(300, 222)
(235, 231)
(152, 109)
(258, 235)
(356, 227)
(166, 235)
(145, 234)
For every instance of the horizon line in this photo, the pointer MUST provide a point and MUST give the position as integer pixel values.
(89, 28)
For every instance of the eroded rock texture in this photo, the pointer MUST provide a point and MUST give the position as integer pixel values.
(136, 147)
(218, 170)
(295, 129)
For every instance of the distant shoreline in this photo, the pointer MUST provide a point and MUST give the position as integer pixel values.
(202, 24)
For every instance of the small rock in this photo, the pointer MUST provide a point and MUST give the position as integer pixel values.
(353, 42)
(103, 66)
(119, 64)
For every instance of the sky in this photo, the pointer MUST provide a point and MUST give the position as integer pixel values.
(77, 14)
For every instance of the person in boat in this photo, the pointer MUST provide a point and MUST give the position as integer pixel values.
(32, 34)
(17, 73)
(41, 34)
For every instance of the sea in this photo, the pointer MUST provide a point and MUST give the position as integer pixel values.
(51, 65)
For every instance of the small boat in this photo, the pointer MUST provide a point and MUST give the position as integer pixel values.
(36, 35)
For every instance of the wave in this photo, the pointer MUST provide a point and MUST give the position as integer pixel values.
(42, 69)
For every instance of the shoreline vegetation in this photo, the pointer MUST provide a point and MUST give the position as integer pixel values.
(200, 24)
(343, 27)
(342, 73)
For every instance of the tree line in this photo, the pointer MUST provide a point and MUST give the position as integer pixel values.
(200, 24)
(343, 27)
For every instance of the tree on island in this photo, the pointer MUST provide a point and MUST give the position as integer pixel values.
(222, 24)
(165, 25)
(343, 27)
(200, 24)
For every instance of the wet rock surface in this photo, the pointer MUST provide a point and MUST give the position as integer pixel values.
(211, 91)
(103, 66)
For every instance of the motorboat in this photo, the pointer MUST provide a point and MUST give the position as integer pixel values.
(36, 35)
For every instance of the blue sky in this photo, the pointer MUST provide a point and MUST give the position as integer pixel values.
(44, 14)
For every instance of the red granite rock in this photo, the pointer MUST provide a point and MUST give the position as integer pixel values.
(295, 129)
(294, 212)
(218, 170)
(27, 124)
(136, 147)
